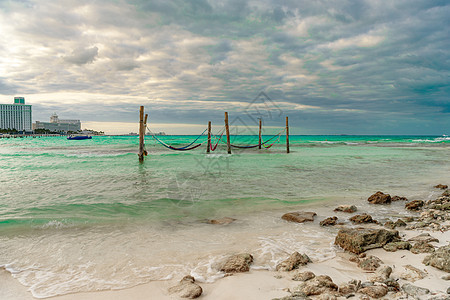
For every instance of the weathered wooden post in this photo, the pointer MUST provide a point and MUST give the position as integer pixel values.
(287, 135)
(141, 134)
(260, 127)
(208, 149)
(228, 133)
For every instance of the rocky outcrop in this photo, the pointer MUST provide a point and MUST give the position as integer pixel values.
(330, 221)
(364, 218)
(237, 263)
(349, 288)
(380, 198)
(293, 262)
(446, 193)
(414, 205)
(222, 221)
(375, 291)
(394, 246)
(441, 186)
(303, 276)
(346, 208)
(299, 216)
(422, 247)
(440, 259)
(414, 291)
(318, 285)
(358, 240)
(187, 288)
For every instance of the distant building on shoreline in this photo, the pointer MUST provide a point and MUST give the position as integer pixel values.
(57, 125)
(16, 116)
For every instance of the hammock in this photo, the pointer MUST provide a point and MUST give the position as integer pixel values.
(185, 148)
(263, 143)
(218, 140)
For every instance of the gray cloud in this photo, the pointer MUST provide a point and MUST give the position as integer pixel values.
(355, 62)
(81, 56)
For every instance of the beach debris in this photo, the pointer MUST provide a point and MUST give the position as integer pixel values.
(414, 205)
(394, 246)
(398, 198)
(422, 247)
(318, 285)
(375, 291)
(358, 240)
(299, 216)
(222, 221)
(370, 263)
(423, 237)
(412, 273)
(441, 186)
(330, 221)
(364, 218)
(379, 198)
(440, 259)
(414, 291)
(237, 263)
(381, 274)
(293, 262)
(187, 288)
(303, 276)
(346, 208)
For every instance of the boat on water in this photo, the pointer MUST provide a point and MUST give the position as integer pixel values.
(79, 137)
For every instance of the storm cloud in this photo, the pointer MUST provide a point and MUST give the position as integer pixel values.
(333, 66)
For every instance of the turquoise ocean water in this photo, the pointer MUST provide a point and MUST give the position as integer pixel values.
(85, 215)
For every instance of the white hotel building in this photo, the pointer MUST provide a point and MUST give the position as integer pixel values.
(16, 116)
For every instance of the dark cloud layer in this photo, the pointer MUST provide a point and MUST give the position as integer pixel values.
(333, 66)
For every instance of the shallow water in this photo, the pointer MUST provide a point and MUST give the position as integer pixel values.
(85, 215)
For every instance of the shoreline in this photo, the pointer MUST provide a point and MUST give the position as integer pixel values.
(271, 284)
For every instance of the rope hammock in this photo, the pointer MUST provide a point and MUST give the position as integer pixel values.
(263, 143)
(185, 148)
(217, 140)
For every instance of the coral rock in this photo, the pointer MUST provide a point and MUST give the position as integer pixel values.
(237, 263)
(293, 262)
(346, 208)
(299, 216)
(358, 240)
(379, 198)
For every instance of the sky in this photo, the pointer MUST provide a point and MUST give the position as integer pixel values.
(333, 67)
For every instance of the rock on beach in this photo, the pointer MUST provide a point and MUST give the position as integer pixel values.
(358, 240)
(440, 259)
(380, 198)
(293, 262)
(346, 208)
(299, 216)
(237, 263)
(187, 288)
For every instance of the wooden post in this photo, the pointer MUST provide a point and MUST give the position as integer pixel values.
(141, 134)
(287, 135)
(260, 127)
(228, 133)
(209, 138)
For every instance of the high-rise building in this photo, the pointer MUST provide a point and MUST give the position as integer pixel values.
(16, 116)
(57, 125)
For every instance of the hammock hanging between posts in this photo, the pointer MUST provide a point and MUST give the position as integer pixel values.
(185, 148)
(263, 143)
(218, 140)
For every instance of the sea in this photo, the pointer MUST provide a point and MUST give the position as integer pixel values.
(80, 216)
